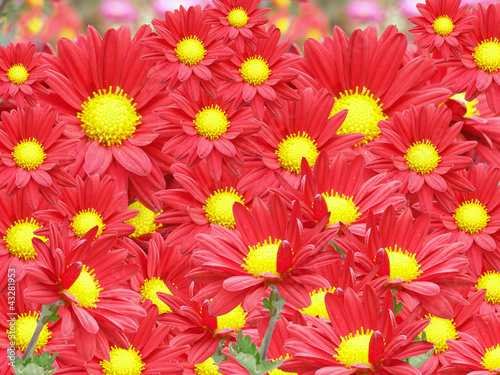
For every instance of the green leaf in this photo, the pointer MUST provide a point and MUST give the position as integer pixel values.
(419, 360)
(268, 366)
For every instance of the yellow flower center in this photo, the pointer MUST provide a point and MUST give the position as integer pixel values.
(149, 290)
(471, 106)
(295, 147)
(123, 362)
(208, 367)
(438, 331)
(262, 258)
(85, 289)
(255, 70)
(109, 117)
(317, 306)
(18, 238)
(23, 330)
(277, 371)
(85, 220)
(487, 55)
(219, 207)
(28, 154)
(422, 157)
(342, 209)
(364, 113)
(237, 17)
(443, 25)
(491, 282)
(190, 50)
(211, 122)
(403, 265)
(491, 359)
(354, 349)
(144, 222)
(34, 25)
(17, 74)
(471, 216)
(234, 319)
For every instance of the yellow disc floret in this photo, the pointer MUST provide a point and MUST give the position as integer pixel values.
(19, 236)
(149, 290)
(23, 330)
(491, 282)
(317, 306)
(18, 74)
(237, 17)
(262, 258)
(144, 222)
(29, 154)
(403, 265)
(342, 209)
(85, 220)
(208, 367)
(438, 331)
(471, 216)
(219, 207)
(354, 349)
(211, 122)
(85, 289)
(422, 157)
(123, 362)
(491, 359)
(364, 113)
(190, 50)
(443, 25)
(295, 147)
(234, 319)
(255, 70)
(487, 55)
(470, 106)
(109, 117)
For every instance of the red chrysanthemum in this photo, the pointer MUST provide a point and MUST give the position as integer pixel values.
(35, 154)
(208, 129)
(184, 53)
(488, 280)
(22, 73)
(444, 25)
(419, 149)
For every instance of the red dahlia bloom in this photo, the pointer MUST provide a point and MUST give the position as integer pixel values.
(237, 21)
(184, 53)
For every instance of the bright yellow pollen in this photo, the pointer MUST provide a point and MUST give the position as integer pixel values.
(471, 106)
(86, 289)
(255, 70)
(208, 367)
(487, 55)
(364, 113)
(219, 207)
(123, 362)
(211, 122)
(295, 147)
(144, 222)
(471, 216)
(491, 282)
(354, 349)
(277, 371)
(438, 331)
(443, 25)
(23, 330)
(34, 25)
(109, 117)
(422, 157)
(18, 238)
(190, 50)
(491, 359)
(28, 154)
(17, 74)
(149, 290)
(234, 319)
(85, 220)
(342, 209)
(262, 258)
(317, 306)
(237, 17)
(402, 265)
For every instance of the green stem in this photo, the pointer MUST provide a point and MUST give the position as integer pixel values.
(275, 315)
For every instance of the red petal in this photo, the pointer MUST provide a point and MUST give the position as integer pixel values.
(70, 275)
(376, 348)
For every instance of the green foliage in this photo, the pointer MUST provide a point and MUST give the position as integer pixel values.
(38, 365)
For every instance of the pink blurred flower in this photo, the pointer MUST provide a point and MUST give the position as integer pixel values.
(162, 6)
(408, 8)
(118, 11)
(365, 11)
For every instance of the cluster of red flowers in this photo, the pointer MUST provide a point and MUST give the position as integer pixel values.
(162, 184)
